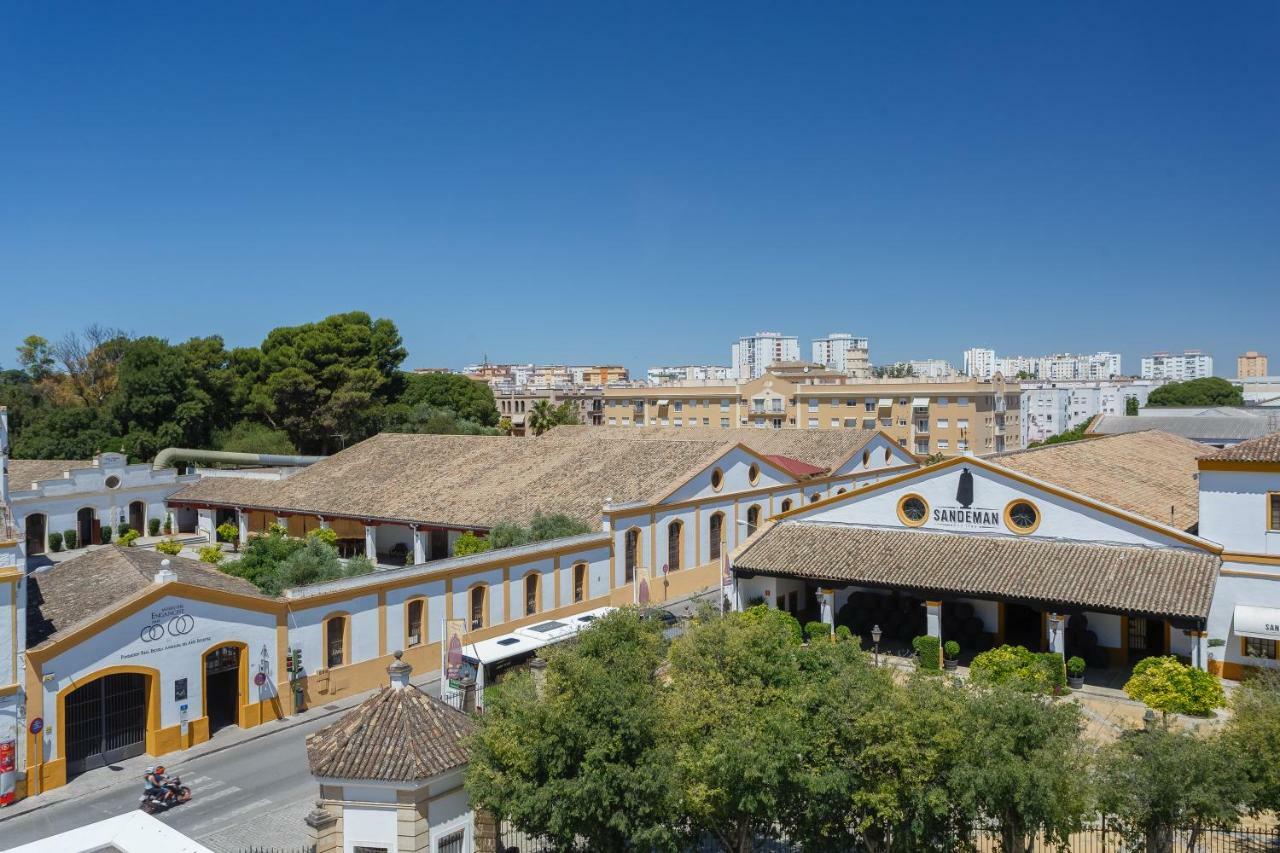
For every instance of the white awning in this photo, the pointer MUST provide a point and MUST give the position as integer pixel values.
(1262, 623)
(886, 402)
(920, 403)
(664, 402)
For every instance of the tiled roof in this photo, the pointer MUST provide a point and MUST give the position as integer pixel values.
(1207, 428)
(81, 589)
(470, 481)
(1165, 582)
(1150, 473)
(396, 735)
(795, 467)
(1264, 449)
(24, 472)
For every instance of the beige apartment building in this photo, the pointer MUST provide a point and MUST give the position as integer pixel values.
(924, 416)
(1251, 365)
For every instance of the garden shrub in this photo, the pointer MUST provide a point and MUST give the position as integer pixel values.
(211, 554)
(327, 535)
(952, 649)
(843, 634)
(169, 546)
(1017, 667)
(71, 538)
(105, 535)
(228, 532)
(55, 541)
(814, 631)
(927, 647)
(765, 613)
(1169, 686)
(153, 527)
(122, 528)
(1075, 666)
(128, 538)
(469, 543)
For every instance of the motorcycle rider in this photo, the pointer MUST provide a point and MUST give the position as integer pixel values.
(157, 785)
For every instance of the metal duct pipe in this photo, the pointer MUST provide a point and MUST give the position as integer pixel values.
(184, 454)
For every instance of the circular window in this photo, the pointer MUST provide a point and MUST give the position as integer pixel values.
(888, 454)
(717, 479)
(753, 473)
(113, 482)
(913, 510)
(1022, 517)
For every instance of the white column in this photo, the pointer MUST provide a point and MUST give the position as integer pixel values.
(371, 542)
(827, 601)
(242, 519)
(933, 618)
(419, 546)
(282, 521)
(1057, 638)
(1200, 649)
(206, 525)
(324, 523)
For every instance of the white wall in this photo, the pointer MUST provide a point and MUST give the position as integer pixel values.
(306, 630)
(369, 826)
(1233, 510)
(735, 466)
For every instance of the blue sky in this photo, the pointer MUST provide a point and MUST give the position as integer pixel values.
(645, 182)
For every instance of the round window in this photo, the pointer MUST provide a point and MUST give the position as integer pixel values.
(113, 482)
(913, 511)
(717, 479)
(1022, 516)
(753, 473)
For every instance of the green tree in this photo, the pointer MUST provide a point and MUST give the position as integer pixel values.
(20, 395)
(157, 403)
(1152, 783)
(1131, 406)
(468, 399)
(65, 432)
(469, 543)
(1167, 685)
(1253, 736)
(251, 437)
(581, 760)
(1076, 433)
(36, 357)
(1208, 391)
(275, 562)
(541, 529)
(541, 417)
(431, 420)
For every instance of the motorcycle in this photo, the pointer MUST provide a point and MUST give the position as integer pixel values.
(154, 801)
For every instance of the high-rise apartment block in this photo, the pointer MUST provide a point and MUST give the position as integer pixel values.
(1251, 365)
(983, 363)
(689, 373)
(845, 353)
(752, 355)
(1191, 364)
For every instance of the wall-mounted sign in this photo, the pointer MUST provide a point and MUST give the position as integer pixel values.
(36, 726)
(171, 621)
(260, 679)
(965, 516)
(454, 631)
(179, 689)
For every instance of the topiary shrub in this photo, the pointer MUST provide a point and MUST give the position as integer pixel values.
(843, 634)
(153, 527)
(128, 538)
(105, 535)
(1075, 666)
(122, 528)
(469, 543)
(951, 649)
(168, 523)
(71, 538)
(210, 554)
(228, 532)
(927, 647)
(55, 541)
(1167, 685)
(814, 631)
(169, 546)
(1015, 666)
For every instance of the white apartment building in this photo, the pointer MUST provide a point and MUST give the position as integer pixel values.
(932, 368)
(979, 363)
(689, 373)
(848, 354)
(1052, 408)
(752, 355)
(1191, 364)
(984, 363)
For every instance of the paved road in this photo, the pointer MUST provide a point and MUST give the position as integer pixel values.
(252, 794)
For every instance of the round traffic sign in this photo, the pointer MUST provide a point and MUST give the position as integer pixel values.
(37, 725)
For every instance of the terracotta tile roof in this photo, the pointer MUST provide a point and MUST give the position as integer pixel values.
(824, 448)
(396, 735)
(1165, 582)
(83, 588)
(1264, 449)
(1150, 473)
(470, 481)
(24, 472)
(795, 467)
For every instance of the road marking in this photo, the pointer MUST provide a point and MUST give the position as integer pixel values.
(227, 819)
(225, 792)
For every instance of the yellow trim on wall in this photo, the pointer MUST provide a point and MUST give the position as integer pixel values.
(1232, 465)
(1008, 517)
(423, 632)
(346, 638)
(242, 680)
(1242, 557)
(906, 519)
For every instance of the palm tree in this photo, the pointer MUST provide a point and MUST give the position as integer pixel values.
(541, 418)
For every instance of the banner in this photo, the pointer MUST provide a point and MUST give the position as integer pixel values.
(8, 774)
(455, 632)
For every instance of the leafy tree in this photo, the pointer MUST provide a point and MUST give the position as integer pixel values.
(1152, 783)
(1018, 668)
(431, 420)
(1022, 763)
(581, 761)
(1076, 433)
(1208, 391)
(21, 396)
(35, 357)
(468, 399)
(1253, 736)
(1131, 406)
(72, 432)
(469, 543)
(541, 528)
(275, 562)
(544, 416)
(1167, 685)
(157, 403)
(250, 437)
(89, 360)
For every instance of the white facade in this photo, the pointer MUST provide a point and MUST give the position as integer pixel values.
(849, 354)
(752, 355)
(932, 368)
(980, 363)
(1052, 408)
(1191, 364)
(689, 373)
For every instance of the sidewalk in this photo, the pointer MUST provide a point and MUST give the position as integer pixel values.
(130, 771)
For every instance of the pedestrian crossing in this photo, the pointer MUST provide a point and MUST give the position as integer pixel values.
(206, 790)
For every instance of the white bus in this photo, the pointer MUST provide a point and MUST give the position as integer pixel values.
(488, 662)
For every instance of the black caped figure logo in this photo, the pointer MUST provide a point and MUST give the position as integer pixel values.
(964, 492)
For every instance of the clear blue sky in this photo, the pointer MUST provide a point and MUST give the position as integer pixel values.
(643, 182)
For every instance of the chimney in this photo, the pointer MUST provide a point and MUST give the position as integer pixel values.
(399, 671)
(165, 574)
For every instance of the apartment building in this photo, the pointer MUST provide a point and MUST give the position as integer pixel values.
(752, 355)
(689, 373)
(848, 354)
(984, 363)
(925, 417)
(515, 403)
(932, 368)
(1191, 364)
(1251, 365)
(546, 375)
(980, 362)
(1052, 408)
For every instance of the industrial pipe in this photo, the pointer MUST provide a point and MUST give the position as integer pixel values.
(185, 454)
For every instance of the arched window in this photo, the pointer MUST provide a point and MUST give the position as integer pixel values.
(717, 534)
(815, 497)
(579, 583)
(866, 458)
(675, 541)
(335, 641)
(414, 610)
(753, 518)
(531, 593)
(841, 490)
(632, 556)
(786, 505)
(477, 609)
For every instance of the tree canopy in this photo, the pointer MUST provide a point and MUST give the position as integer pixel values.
(1208, 391)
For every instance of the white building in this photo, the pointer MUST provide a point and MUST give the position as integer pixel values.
(752, 355)
(980, 363)
(1052, 408)
(932, 368)
(1191, 364)
(848, 354)
(689, 373)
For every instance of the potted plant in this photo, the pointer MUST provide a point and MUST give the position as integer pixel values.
(951, 655)
(1075, 672)
(168, 524)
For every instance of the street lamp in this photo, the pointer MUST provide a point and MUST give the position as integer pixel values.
(875, 643)
(1055, 628)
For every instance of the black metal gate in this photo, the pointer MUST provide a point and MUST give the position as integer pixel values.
(106, 721)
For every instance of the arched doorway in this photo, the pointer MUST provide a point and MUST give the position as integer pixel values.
(107, 719)
(224, 685)
(35, 531)
(138, 517)
(87, 527)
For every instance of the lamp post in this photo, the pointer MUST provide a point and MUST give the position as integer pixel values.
(1055, 628)
(875, 643)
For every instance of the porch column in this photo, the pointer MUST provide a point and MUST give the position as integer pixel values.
(371, 542)
(827, 602)
(283, 521)
(206, 524)
(933, 618)
(1056, 629)
(242, 521)
(419, 546)
(1199, 649)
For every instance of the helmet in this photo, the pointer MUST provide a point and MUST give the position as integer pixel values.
(150, 770)
(159, 768)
